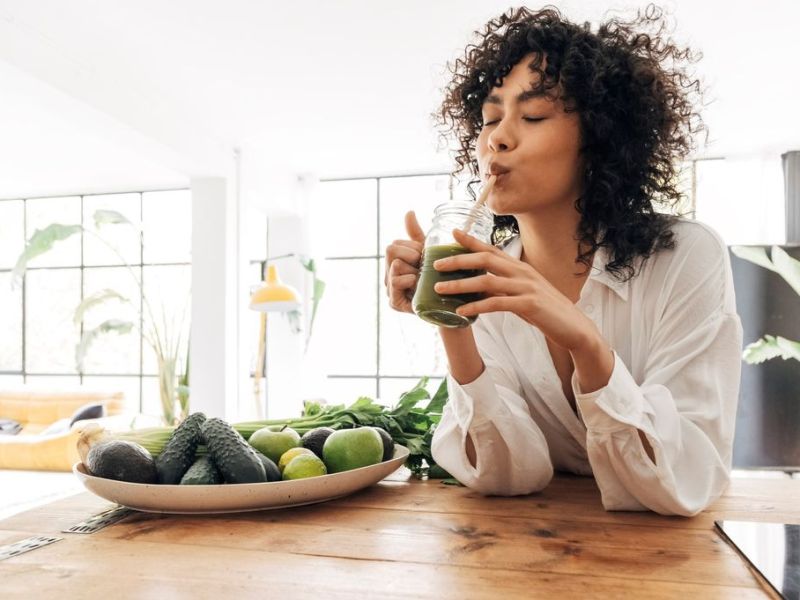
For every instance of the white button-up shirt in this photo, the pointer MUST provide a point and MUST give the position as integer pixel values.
(677, 344)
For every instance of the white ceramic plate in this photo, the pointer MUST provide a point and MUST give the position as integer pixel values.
(239, 497)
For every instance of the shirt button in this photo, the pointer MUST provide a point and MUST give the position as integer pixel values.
(590, 308)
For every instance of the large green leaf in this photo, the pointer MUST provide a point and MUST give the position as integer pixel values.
(110, 217)
(780, 263)
(88, 337)
(436, 405)
(770, 347)
(40, 242)
(96, 299)
(318, 290)
(757, 255)
(408, 400)
(788, 267)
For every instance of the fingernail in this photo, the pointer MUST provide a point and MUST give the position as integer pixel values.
(437, 287)
(438, 263)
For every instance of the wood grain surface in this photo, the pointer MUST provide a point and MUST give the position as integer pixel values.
(401, 538)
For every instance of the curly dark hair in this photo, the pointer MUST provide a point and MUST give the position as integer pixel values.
(637, 107)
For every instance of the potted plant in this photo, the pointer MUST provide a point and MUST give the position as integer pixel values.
(164, 337)
(771, 346)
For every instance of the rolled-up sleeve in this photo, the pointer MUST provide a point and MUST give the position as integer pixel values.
(685, 402)
(511, 451)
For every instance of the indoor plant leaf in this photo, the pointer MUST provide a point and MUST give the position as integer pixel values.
(787, 267)
(95, 300)
(753, 254)
(110, 217)
(770, 347)
(112, 325)
(318, 289)
(40, 242)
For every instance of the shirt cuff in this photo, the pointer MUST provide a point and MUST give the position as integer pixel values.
(617, 405)
(476, 402)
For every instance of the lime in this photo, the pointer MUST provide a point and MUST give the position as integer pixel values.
(304, 465)
(347, 449)
(273, 444)
(290, 454)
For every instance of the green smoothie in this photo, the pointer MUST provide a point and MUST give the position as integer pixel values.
(441, 309)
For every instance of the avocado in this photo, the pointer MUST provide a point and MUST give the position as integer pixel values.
(388, 443)
(202, 472)
(123, 461)
(314, 439)
(178, 454)
(272, 470)
(235, 458)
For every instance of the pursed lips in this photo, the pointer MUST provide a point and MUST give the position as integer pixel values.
(500, 171)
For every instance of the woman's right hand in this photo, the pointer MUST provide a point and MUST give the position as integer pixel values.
(403, 258)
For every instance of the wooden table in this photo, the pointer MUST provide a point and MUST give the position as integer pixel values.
(400, 538)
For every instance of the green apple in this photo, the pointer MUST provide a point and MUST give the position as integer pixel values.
(347, 449)
(273, 444)
(304, 465)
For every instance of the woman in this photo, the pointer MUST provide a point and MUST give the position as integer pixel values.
(607, 342)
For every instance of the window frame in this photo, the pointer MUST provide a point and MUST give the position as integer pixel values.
(140, 264)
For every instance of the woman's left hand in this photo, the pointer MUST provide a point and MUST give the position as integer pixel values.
(515, 286)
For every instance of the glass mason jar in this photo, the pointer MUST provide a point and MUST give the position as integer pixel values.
(439, 243)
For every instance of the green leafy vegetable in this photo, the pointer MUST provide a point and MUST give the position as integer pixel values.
(411, 423)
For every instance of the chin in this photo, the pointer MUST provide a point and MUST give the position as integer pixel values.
(503, 204)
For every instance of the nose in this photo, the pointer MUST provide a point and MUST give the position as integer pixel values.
(501, 139)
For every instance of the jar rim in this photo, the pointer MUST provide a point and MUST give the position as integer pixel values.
(468, 204)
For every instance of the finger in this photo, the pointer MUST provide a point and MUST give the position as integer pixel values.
(410, 244)
(488, 284)
(400, 267)
(402, 283)
(410, 255)
(412, 227)
(472, 243)
(399, 287)
(473, 261)
(487, 305)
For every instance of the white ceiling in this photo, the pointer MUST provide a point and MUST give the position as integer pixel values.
(109, 95)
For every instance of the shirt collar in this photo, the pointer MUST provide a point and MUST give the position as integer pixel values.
(513, 247)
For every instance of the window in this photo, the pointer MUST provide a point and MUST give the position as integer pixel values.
(38, 344)
(370, 349)
(742, 198)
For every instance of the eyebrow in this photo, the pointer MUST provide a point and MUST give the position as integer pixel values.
(521, 97)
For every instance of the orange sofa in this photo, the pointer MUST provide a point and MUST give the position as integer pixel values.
(36, 410)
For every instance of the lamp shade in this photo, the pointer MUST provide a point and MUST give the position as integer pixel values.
(274, 295)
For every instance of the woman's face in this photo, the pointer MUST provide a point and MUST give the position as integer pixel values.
(531, 143)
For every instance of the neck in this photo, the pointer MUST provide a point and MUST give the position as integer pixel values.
(549, 245)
